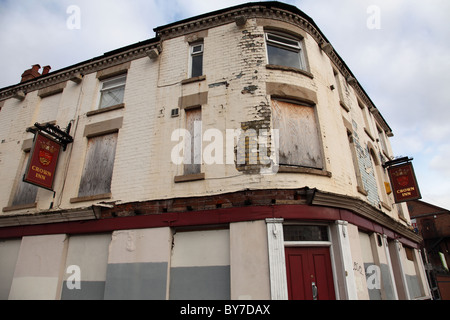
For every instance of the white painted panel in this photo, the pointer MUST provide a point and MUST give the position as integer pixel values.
(201, 248)
(34, 288)
(366, 248)
(141, 245)
(249, 260)
(90, 254)
(41, 256)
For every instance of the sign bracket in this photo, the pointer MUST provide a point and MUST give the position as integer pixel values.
(397, 161)
(60, 136)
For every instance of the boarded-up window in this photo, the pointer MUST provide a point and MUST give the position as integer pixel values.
(367, 116)
(193, 148)
(299, 135)
(25, 192)
(98, 166)
(409, 253)
(359, 182)
(382, 140)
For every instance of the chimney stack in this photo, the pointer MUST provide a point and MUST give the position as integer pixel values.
(31, 73)
(34, 72)
(46, 70)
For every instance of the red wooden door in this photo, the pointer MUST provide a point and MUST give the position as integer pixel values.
(309, 274)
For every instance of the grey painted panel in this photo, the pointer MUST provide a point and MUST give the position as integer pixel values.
(413, 286)
(136, 281)
(200, 283)
(89, 290)
(387, 282)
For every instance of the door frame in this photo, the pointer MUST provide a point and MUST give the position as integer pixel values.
(327, 244)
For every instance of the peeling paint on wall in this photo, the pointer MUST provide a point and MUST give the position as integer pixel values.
(367, 171)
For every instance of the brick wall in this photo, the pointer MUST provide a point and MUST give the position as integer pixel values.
(237, 98)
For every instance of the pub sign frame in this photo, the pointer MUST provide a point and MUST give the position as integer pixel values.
(41, 167)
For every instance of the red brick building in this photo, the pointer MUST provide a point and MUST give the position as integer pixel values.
(433, 224)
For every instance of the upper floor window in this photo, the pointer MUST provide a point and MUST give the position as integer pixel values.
(193, 147)
(284, 51)
(98, 166)
(112, 91)
(196, 62)
(25, 192)
(383, 141)
(299, 138)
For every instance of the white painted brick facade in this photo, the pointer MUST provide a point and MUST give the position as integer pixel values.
(236, 75)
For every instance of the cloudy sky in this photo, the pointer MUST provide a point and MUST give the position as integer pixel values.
(399, 50)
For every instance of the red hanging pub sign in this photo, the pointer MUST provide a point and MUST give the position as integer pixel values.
(42, 163)
(404, 183)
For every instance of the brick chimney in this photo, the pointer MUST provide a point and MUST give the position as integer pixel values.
(45, 70)
(31, 73)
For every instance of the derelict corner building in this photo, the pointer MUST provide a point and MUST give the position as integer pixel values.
(96, 204)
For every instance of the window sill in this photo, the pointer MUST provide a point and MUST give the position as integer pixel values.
(369, 134)
(344, 106)
(386, 154)
(20, 207)
(402, 217)
(189, 177)
(386, 206)
(91, 198)
(362, 190)
(194, 79)
(103, 110)
(283, 68)
(291, 169)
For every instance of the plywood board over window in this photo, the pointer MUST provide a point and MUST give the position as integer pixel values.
(300, 143)
(193, 148)
(99, 164)
(25, 193)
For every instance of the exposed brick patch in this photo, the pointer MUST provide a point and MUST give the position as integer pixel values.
(248, 157)
(222, 201)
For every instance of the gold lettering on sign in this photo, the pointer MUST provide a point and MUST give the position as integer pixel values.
(41, 173)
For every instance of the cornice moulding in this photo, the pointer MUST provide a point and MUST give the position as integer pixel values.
(365, 210)
(57, 216)
(90, 66)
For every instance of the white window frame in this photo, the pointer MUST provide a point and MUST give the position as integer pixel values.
(193, 54)
(105, 87)
(297, 47)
